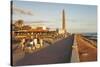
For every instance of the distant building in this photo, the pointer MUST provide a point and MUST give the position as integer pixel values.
(61, 31)
(26, 27)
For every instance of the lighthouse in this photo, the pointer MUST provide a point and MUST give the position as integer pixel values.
(63, 24)
(63, 21)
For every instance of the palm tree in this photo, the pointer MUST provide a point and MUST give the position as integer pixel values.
(19, 24)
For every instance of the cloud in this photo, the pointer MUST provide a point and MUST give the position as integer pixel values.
(19, 10)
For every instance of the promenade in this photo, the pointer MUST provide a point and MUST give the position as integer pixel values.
(59, 52)
(74, 48)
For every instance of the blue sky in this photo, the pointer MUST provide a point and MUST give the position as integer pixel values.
(79, 18)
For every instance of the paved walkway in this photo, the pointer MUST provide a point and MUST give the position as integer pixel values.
(87, 50)
(59, 52)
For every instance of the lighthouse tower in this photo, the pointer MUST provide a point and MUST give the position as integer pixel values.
(63, 22)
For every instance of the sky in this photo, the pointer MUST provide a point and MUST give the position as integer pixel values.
(79, 18)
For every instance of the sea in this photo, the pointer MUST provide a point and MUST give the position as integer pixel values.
(92, 36)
